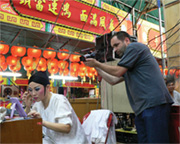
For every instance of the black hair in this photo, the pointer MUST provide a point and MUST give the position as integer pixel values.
(41, 78)
(170, 79)
(121, 35)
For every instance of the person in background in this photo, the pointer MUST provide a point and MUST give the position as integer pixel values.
(145, 86)
(59, 121)
(170, 83)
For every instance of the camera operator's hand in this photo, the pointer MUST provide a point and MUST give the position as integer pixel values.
(91, 62)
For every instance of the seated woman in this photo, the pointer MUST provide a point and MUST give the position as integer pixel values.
(59, 121)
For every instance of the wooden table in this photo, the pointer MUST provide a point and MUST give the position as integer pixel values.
(21, 131)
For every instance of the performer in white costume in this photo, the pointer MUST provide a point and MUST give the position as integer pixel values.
(60, 123)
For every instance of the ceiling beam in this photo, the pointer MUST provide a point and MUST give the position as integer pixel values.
(16, 36)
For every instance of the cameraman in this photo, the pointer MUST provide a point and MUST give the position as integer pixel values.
(145, 86)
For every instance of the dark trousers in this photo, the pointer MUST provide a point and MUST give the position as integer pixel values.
(152, 124)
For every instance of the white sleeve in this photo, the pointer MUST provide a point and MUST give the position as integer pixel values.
(34, 107)
(63, 113)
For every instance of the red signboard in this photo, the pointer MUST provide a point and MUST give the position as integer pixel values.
(69, 13)
(78, 84)
(155, 40)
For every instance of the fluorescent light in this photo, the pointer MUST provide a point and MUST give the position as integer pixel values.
(63, 77)
(10, 74)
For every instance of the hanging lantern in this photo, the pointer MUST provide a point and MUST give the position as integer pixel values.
(73, 73)
(18, 51)
(177, 74)
(63, 64)
(4, 48)
(11, 60)
(31, 52)
(74, 66)
(172, 71)
(29, 69)
(15, 68)
(3, 66)
(64, 72)
(89, 72)
(81, 73)
(82, 67)
(53, 71)
(74, 58)
(2, 59)
(166, 71)
(42, 68)
(52, 63)
(27, 61)
(40, 62)
(49, 54)
(62, 55)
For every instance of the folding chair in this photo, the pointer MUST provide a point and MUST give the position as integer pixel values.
(110, 120)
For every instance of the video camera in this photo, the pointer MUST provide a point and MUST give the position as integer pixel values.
(103, 50)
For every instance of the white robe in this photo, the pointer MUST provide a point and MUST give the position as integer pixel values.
(95, 127)
(59, 110)
(176, 98)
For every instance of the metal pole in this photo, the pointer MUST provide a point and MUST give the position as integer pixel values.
(160, 29)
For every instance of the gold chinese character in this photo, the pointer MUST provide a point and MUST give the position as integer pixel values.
(54, 7)
(83, 16)
(39, 6)
(102, 22)
(111, 27)
(26, 2)
(66, 10)
(93, 21)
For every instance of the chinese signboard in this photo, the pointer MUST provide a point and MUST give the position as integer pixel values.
(148, 33)
(70, 13)
(20, 21)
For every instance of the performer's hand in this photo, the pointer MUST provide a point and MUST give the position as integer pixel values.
(34, 114)
(27, 98)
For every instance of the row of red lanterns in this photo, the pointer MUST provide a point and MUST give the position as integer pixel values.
(41, 64)
(175, 72)
(18, 51)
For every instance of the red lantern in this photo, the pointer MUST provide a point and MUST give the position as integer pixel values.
(64, 72)
(4, 48)
(52, 63)
(74, 66)
(74, 58)
(31, 52)
(53, 71)
(62, 55)
(81, 73)
(3, 66)
(27, 61)
(15, 68)
(11, 60)
(74, 73)
(177, 73)
(18, 51)
(28, 68)
(2, 59)
(165, 71)
(63, 64)
(41, 62)
(42, 68)
(172, 71)
(49, 54)
(82, 67)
